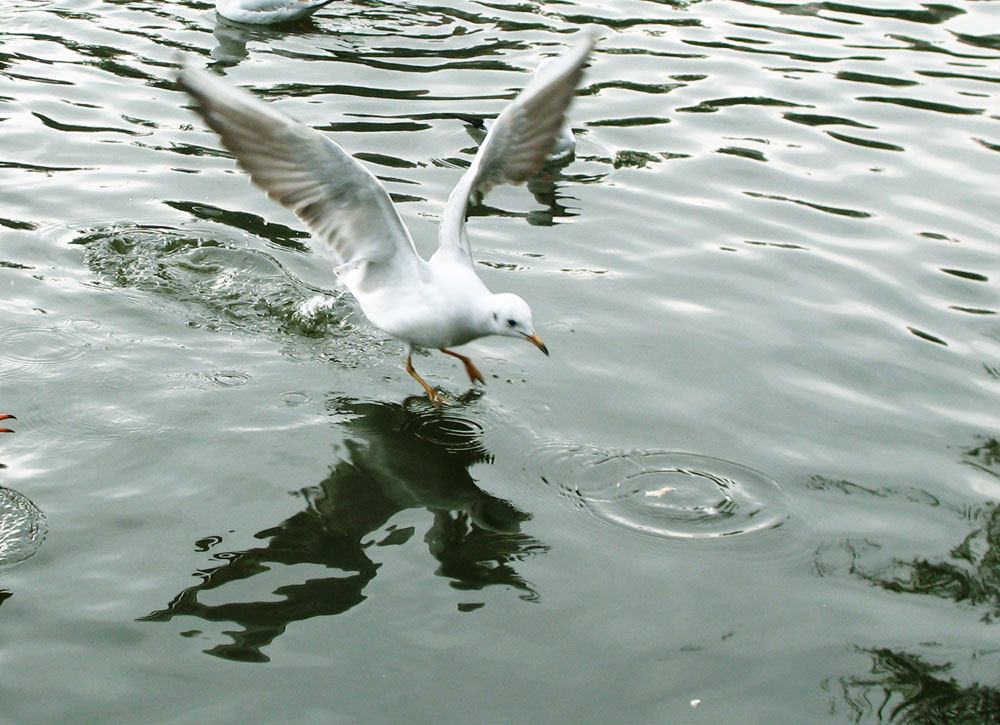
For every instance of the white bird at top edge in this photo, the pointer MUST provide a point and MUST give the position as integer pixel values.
(267, 12)
(434, 304)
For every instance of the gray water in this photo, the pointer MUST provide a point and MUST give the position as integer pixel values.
(756, 481)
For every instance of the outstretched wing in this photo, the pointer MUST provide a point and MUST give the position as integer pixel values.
(523, 135)
(339, 199)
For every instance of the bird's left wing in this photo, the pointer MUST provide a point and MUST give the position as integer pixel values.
(524, 133)
(338, 198)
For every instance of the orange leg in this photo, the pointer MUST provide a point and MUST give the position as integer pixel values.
(471, 370)
(431, 392)
(6, 417)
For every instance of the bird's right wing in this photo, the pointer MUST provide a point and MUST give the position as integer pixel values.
(524, 133)
(338, 198)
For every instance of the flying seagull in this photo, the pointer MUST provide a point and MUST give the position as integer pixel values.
(438, 303)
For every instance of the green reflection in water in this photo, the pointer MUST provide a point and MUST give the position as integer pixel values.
(906, 688)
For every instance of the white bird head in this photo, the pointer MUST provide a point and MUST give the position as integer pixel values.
(511, 316)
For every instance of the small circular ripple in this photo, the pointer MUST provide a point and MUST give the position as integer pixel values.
(295, 398)
(448, 431)
(22, 527)
(668, 494)
(229, 378)
(31, 348)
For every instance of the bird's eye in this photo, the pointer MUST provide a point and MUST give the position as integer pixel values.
(511, 323)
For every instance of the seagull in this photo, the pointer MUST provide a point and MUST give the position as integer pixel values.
(267, 12)
(5, 416)
(434, 304)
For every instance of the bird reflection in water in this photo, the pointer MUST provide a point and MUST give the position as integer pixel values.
(395, 458)
(549, 187)
(544, 187)
(232, 38)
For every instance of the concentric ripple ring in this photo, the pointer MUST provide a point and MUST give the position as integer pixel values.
(673, 495)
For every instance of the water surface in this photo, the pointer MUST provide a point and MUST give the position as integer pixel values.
(757, 480)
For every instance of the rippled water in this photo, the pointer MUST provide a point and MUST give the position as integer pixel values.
(22, 527)
(756, 481)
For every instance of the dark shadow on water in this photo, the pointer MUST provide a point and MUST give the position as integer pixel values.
(905, 688)
(395, 457)
(932, 681)
(969, 574)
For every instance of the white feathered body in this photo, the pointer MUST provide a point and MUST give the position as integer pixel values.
(267, 12)
(444, 306)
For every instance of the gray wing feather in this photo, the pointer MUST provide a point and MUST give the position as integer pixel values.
(523, 135)
(339, 199)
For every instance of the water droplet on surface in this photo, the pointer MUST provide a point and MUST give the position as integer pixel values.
(294, 399)
(229, 378)
(116, 381)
